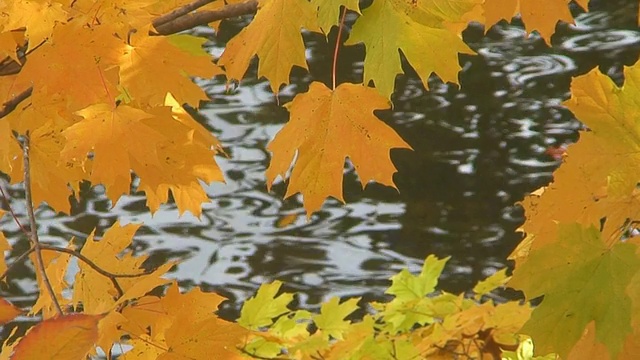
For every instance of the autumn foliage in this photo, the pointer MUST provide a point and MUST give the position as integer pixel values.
(93, 91)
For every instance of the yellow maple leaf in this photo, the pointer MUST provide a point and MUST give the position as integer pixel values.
(121, 17)
(39, 17)
(95, 292)
(52, 180)
(420, 32)
(325, 128)
(116, 136)
(536, 15)
(9, 42)
(329, 12)
(154, 65)
(186, 158)
(56, 265)
(89, 79)
(184, 324)
(274, 36)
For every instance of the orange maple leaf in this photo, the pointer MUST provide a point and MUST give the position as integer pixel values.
(7, 311)
(325, 128)
(65, 337)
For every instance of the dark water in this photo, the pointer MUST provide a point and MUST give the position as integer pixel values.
(478, 149)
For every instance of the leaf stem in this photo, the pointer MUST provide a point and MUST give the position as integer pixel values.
(335, 52)
(33, 233)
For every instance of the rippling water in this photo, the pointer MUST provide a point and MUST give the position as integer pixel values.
(478, 150)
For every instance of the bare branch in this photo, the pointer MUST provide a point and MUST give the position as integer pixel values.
(5, 199)
(11, 104)
(17, 261)
(189, 21)
(180, 12)
(32, 224)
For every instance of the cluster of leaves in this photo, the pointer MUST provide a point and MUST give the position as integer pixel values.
(115, 309)
(417, 323)
(589, 214)
(93, 90)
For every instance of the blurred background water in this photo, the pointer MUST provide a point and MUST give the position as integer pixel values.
(478, 149)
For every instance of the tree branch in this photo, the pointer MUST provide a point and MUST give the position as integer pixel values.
(11, 104)
(33, 227)
(188, 21)
(160, 20)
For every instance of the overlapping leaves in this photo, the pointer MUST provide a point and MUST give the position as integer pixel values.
(589, 215)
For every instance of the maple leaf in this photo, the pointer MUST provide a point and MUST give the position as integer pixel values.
(55, 265)
(498, 279)
(184, 324)
(65, 337)
(184, 160)
(332, 314)
(7, 311)
(158, 313)
(406, 286)
(52, 180)
(597, 178)
(96, 292)
(201, 339)
(90, 77)
(121, 17)
(261, 309)
(411, 305)
(39, 17)
(391, 25)
(329, 12)
(325, 128)
(274, 36)
(152, 66)
(588, 282)
(135, 132)
(9, 43)
(542, 17)
(611, 114)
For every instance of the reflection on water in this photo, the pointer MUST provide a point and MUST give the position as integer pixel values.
(478, 150)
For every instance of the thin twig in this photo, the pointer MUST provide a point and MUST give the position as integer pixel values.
(160, 20)
(13, 214)
(16, 261)
(191, 20)
(335, 52)
(111, 276)
(32, 224)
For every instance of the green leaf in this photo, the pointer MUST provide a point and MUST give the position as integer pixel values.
(406, 286)
(189, 43)
(491, 283)
(332, 315)
(390, 25)
(260, 310)
(582, 280)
